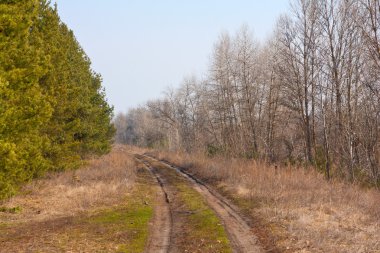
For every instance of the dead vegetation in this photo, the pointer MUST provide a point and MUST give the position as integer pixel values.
(103, 207)
(101, 183)
(303, 211)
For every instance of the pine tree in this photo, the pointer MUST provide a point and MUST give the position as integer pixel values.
(53, 111)
(81, 118)
(23, 106)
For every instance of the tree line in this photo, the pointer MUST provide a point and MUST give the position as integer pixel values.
(53, 111)
(309, 95)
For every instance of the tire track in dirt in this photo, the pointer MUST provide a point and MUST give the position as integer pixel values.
(161, 227)
(240, 234)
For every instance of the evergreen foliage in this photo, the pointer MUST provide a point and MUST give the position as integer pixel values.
(53, 111)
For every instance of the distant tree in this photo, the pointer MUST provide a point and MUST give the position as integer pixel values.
(308, 96)
(121, 125)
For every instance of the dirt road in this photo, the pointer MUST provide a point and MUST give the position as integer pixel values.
(241, 238)
(159, 239)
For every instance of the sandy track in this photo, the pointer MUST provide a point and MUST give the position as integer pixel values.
(161, 227)
(240, 233)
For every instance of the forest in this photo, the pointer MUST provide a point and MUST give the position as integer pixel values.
(53, 110)
(309, 95)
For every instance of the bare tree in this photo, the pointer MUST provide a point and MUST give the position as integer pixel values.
(309, 96)
(299, 35)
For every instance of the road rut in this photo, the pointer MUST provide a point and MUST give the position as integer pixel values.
(161, 227)
(240, 234)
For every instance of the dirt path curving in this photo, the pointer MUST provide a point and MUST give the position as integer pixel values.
(240, 234)
(159, 239)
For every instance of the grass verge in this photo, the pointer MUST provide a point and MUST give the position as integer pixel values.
(297, 208)
(104, 207)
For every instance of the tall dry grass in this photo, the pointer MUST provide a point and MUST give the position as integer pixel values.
(307, 213)
(101, 183)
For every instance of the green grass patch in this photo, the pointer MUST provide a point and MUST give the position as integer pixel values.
(16, 209)
(204, 225)
(3, 225)
(132, 219)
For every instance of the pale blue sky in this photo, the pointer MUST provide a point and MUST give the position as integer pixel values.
(140, 47)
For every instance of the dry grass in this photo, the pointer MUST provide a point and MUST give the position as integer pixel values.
(304, 211)
(99, 208)
(102, 183)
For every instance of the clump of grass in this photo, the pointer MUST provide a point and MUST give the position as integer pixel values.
(15, 209)
(302, 209)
